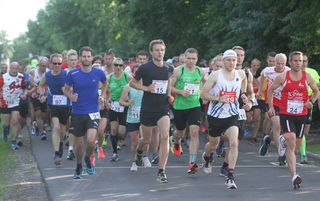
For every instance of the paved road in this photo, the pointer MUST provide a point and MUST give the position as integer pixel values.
(258, 179)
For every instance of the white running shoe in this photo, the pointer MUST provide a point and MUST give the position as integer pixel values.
(146, 162)
(207, 167)
(282, 146)
(231, 184)
(134, 167)
(296, 181)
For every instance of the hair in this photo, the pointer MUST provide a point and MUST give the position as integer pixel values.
(217, 58)
(255, 59)
(117, 59)
(131, 55)
(154, 42)
(85, 49)
(175, 59)
(191, 50)
(55, 55)
(281, 54)
(271, 54)
(43, 58)
(142, 53)
(237, 47)
(97, 57)
(71, 52)
(294, 53)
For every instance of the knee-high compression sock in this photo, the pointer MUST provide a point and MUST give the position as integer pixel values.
(303, 147)
(114, 142)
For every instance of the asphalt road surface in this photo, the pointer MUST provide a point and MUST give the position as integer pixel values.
(258, 178)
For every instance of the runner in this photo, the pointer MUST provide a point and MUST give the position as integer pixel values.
(225, 85)
(293, 109)
(155, 76)
(59, 104)
(82, 89)
(13, 88)
(185, 82)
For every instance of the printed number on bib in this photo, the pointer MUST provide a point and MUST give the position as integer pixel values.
(95, 115)
(242, 114)
(192, 88)
(115, 106)
(160, 86)
(295, 107)
(135, 112)
(232, 96)
(59, 100)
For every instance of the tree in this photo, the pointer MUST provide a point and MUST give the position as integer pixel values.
(5, 47)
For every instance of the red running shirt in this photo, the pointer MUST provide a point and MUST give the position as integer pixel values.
(294, 95)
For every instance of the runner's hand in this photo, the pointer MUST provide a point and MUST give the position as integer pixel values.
(308, 104)
(185, 93)
(271, 112)
(74, 97)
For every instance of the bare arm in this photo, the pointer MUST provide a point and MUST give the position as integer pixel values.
(139, 86)
(314, 88)
(42, 84)
(276, 83)
(210, 83)
(68, 91)
(124, 101)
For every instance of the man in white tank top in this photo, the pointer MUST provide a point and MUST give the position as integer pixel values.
(226, 86)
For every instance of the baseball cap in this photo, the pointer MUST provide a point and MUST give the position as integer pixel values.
(229, 53)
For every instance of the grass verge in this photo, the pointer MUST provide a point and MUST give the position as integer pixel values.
(4, 157)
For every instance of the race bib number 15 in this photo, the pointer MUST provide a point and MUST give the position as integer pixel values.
(160, 86)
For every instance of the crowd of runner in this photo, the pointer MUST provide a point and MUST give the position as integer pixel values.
(160, 105)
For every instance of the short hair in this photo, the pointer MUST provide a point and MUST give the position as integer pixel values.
(217, 58)
(132, 55)
(237, 47)
(142, 53)
(43, 58)
(175, 59)
(71, 52)
(85, 49)
(271, 54)
(117, 59)
(55, 55)
(154, 42)
(191, 50)
(294, 53)
(255, 59)
(281, 54)
(97, 57)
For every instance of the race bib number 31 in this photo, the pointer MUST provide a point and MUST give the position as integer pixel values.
(232, 96)
(192, 88)
(160, 86)
(295, 107)
(59, 100)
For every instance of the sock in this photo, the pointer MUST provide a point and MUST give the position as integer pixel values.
(225, 165)
(70, 148)
(114, 141)
(160, 171)
(79, 166)
(192, 158)
(303, 147)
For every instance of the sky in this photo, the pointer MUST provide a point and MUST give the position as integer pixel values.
(14, 15)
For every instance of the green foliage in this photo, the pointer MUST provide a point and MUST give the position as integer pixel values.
(5, 47)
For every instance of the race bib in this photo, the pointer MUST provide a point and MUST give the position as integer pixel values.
(135, 111)
(95, 115)
(160, 86)
(115, 106)
(255, 102)
(99, 92)
(295, 107)
(232, 96)
(242, 114)
(192, 88)
(9, 100)
(59, 100)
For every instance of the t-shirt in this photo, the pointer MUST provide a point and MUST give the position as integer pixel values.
(12, 89)
(55, 93)
(85, 84)
(156, 101)
(314, 74)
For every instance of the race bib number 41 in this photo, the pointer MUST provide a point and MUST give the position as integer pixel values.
(295, 107)
(232, 96)
(192, 88)
(59, 100)
(160, 86)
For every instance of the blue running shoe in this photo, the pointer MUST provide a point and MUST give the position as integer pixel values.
(78, 173)
(14, 145)
(90, 166)
(43, 135)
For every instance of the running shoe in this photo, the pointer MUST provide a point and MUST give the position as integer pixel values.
(162, 177)
(119, 147)
(282, 160)
(230, 182)
(90, 166)
(146, 162)
(114, 157)
(206, 160)
(155, 159)
(171, 143)
(78, 173)
(304, 160)
(282, 146)
(264, 145)
(101, 153)
(57, 159)
(177, 149)
(20, 143)
(70, 155)
(193, 168)
(220, 148)
(93, 160)
(247, 132)
(43, 135)
(14, 146)
(296, 181)
(34, 128)
(134, 167)
(139, 158)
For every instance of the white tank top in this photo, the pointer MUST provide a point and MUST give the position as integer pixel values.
(225, 87)
(37, 77)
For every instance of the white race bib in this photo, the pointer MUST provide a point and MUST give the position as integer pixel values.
(192, 88)
(255, 102)
(115, 106)
(95, 115)
(160, 86)
(99, 92)
(295, 107)
(59, 100)
(242, 114)
(135, 112)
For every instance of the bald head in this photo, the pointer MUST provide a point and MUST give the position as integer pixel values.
(281, 61)
(14, 68)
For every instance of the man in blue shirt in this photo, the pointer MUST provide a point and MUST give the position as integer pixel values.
(82, 89)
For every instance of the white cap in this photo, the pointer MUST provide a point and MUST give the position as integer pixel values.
(229, 53)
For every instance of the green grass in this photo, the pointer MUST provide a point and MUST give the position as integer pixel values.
(4, 156)
(314, 148)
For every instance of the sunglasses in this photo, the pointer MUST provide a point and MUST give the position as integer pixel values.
(56, 63)
(118, 65)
